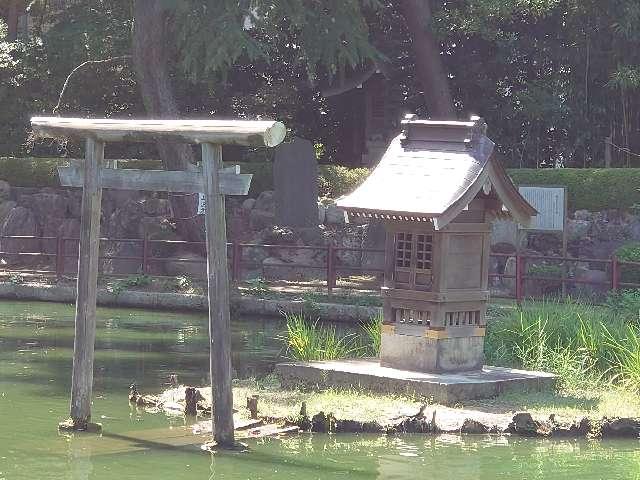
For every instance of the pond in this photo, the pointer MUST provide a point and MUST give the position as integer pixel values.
(36, 341)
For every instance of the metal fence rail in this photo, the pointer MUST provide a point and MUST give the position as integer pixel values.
(330, 269)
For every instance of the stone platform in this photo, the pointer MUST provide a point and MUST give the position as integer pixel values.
(447, 388)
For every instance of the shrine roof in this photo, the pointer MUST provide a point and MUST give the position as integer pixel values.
(237, 132)
(431, 172)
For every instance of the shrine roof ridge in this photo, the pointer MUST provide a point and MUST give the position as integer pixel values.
(265, 133)
(433, 170)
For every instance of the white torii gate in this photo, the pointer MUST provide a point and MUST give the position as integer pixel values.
(213, 181)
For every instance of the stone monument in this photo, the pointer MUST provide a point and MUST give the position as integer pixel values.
(295, 177)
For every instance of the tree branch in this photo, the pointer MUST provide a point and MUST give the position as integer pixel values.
(79, 67)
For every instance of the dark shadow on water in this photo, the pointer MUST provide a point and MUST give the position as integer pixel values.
(251, 457)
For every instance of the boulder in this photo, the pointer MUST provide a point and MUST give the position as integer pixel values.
(621, 427)
(524, 424)
(260, 219)
(274, 268)
(582, 215)
(19, 222)
(45, 205)
(471, 426)
(5, 208)
(195, 267)
(266, 202)
(577, 229)
(248, 204)
(334, 215)
(5, 191)
(587, 275)
(322, 213)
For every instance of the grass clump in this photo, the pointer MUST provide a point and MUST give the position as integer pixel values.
(307, 341)
(586, 346)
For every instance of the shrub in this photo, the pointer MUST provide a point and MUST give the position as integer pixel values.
(625, 302)
(629, 253)
(335, 180)
(588, 188)
(30, 172)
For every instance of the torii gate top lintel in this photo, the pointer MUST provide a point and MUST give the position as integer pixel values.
(254, 133)
(214, 181)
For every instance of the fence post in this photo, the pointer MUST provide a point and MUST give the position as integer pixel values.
(59, 256)
(519, 284)
(331, 274)
(236, 265)
(145, 254)
(614, 273)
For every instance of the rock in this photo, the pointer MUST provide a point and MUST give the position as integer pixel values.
(278, 269)
(473, 427)
(5, 208)
(578, 429)
(20, 222)
(577, 229)
(45, 205)
(587, 275)
(322, 213)
(5, 191)
(504, 231)
(266, 202)
(260, 219)
(295, 177)
(374, 238)
(70, 229)
(196, 267)
(621, 427)
(524, 424)
(156, 207)
(334, 215)
(322, 423)
(504, 248)
(248, 204)
(582, 215)
(510, 269)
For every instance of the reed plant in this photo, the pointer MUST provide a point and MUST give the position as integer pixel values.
(584, 345)
(307, 341)
(372, 330)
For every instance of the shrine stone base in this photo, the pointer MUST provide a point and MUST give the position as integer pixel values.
(443, 388)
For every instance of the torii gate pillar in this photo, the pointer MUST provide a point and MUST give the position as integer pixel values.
(214, 182)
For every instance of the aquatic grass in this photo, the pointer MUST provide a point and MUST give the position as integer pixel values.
(373, 330)
(306, 341)
(584, 345)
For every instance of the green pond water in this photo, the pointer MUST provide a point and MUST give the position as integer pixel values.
(36, 341)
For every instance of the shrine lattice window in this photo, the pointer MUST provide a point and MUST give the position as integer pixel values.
(417, 247)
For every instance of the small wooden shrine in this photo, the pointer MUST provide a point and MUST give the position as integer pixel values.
(436, 189)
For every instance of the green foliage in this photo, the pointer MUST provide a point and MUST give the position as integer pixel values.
(308, 341)
(257, 287)
(625, 302)
(629, 253)
(581, 343)
(373, 331)
(119, 286)
(545, 271)
(590, 189)
(30, 172)
(335, 181)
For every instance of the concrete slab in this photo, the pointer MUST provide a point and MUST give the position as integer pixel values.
(447, 388)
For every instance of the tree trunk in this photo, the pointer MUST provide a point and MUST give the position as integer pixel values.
(13, 13)
(152, 73)
(429, 66)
